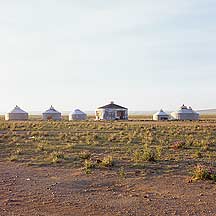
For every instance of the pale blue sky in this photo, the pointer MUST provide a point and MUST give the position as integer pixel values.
(143, 54)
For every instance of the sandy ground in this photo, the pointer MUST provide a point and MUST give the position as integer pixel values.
(26, 190)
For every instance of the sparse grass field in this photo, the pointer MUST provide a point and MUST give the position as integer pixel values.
(126, 150)
(131, 144)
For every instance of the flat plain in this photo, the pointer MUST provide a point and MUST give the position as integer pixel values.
(135, 167)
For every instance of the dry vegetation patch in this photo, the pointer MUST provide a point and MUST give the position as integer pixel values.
(156, 147)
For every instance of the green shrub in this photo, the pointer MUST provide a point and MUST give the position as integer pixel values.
(122, 173)
(137, 156)
(197, 154)
(88, 165)
(84, 155)
(56, 157)
(159, 151)
(107, 161)
(148, 154)
(202, 172)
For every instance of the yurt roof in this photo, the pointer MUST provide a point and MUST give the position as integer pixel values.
(161, 113)
(112, 105)
(51, 110)
(17, 110)
(186, 110)
(78, 112)
(183, 107)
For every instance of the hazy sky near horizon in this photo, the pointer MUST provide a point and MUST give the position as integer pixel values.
(143, 54)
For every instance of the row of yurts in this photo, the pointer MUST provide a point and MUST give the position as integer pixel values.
(110, 111)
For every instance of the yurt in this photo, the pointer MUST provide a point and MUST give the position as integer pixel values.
(112, 111)
(185, 113)
(52, 114)
(77, 115)
(160, 116)
(16, 114)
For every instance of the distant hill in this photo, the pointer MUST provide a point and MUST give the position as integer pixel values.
(207, 111)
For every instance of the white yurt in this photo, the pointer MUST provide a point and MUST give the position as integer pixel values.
(185, 113)
(16, 114)
(160, 116)
(51, 114)
(77, 115)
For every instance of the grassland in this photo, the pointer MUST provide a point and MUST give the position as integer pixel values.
(138, 147)
(134, 144)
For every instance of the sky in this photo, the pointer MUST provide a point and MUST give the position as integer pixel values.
(142, 54)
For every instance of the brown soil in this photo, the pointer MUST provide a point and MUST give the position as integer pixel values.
(26, 190)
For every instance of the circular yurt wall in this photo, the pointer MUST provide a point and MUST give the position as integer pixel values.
(16, 116)
(52, 116)
(77, 115)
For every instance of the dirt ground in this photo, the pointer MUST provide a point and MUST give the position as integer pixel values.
(27, 190)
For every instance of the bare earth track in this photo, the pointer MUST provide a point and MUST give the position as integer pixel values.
(56, 191)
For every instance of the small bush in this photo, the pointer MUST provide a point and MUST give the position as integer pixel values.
(148, 154)
(137, 156)
(84, 155)
(40, 147)
(159, 151)
(88, 165)
(71, 146)
(205, 147)
(122, 173)
(202, 172)
(107, 161)
(13, 158)
(197, 154)
(18, 151)
(56, 157)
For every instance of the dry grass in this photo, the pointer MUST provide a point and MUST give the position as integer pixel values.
(131, 145)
